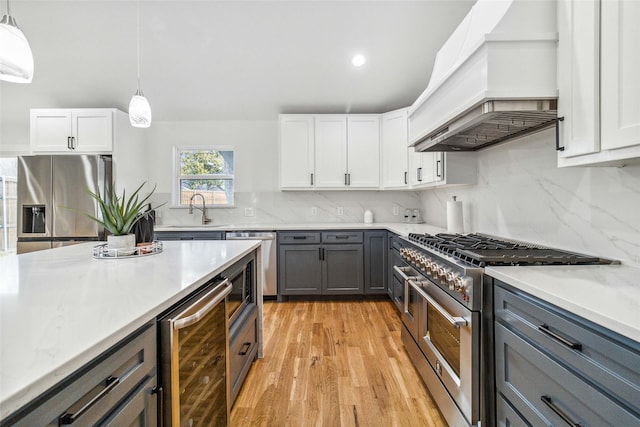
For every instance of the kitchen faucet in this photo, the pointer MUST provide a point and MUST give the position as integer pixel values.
(205, 220)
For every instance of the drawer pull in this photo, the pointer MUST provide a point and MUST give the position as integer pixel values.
(299, 237)
(559, 412)
(68, 419)
(244, 349)
(544, 328)
(341, 237)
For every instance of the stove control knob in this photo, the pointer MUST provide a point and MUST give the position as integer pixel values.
(442, 274)
(458, 284)
(451, 278)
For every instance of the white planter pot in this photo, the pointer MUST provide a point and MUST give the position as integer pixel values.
(124, 245)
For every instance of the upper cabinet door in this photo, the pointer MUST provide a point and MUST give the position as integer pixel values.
(92, 130)
(331, 150)
(395, 158)
(363, 151)
(81, 131)
(296, 151)
(50, 130)
(620, 68)
(578, 76)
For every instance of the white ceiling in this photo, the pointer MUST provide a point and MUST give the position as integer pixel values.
(218, 60)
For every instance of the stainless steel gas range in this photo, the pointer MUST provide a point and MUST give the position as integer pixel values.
(442, 313)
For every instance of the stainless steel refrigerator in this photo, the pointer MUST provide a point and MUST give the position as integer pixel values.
(53, 200)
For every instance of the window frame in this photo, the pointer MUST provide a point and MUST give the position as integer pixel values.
(177, 175)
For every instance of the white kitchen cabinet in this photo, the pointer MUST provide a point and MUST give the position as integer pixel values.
(297, 151)
(431, 169)
(395, 158)
(620, 70)
(331, 150)
(363, 151)
(82, 131)
(598, 65)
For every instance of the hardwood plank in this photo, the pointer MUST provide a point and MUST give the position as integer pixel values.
(333, 363)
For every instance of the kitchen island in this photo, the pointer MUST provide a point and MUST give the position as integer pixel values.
(61, 308)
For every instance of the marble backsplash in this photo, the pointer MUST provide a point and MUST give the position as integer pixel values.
(522, 194)
(296, 207)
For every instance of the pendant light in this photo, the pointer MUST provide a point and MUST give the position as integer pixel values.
(16, 59)
(139, 108)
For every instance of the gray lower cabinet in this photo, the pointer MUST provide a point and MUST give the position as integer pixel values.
(189, 235)
(375, 262)
(320, 263)
(553, 368)
(116, 389)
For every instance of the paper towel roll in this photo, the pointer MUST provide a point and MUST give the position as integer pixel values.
(455, 223)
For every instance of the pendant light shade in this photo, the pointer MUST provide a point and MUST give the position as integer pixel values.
(16, 59)
(139, 108)
(139, 111)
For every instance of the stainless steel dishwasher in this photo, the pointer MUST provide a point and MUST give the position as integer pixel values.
(269, 257)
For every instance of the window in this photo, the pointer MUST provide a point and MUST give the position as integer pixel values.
(205, 170)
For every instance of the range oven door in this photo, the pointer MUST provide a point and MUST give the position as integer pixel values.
(450, 338)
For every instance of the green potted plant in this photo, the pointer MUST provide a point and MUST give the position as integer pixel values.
(119, 215)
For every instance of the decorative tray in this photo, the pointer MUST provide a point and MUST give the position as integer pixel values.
(103, 252)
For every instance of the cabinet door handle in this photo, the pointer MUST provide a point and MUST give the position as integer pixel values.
(73, 142)
(244, 349)
(438, 174)
(69, 146)
(405, 178)
(68, 419)
(345, 179)
(160, 392)
(559, 412)
(311, 179)
(419, 175)
(558, 147)
(544, 328)
(348, 179)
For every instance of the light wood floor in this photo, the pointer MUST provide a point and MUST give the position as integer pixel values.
(333, 364)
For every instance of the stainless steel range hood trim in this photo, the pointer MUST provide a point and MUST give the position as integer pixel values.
(489, 123)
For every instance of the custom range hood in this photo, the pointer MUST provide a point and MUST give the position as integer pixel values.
(493, 80)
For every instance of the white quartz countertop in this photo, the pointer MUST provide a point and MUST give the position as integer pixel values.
(400, 228)
(608, 295)
(61, 308)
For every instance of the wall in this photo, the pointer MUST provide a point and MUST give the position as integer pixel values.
(522, 194)
(256, 163)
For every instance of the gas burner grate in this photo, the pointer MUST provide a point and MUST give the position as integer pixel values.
(481, 251)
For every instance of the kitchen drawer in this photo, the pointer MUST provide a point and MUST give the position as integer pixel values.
(243, 347)
(127, 365)
(603, 360)
(506, 416)
(525, 376)
(342, 237)
(298, 238)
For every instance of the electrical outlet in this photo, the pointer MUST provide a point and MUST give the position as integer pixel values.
(396, 211)
(340, 210)
(248, 211)
(314, 211)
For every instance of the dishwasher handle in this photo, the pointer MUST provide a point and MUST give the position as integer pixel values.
(250, 236)
(205, 304)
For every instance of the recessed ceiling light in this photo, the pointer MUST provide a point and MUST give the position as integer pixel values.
(358, 61)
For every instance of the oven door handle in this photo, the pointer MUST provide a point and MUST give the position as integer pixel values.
(214, 297)
(401, 272)
(455, 321)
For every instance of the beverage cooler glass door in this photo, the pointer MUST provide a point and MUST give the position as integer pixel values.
(195, 370)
